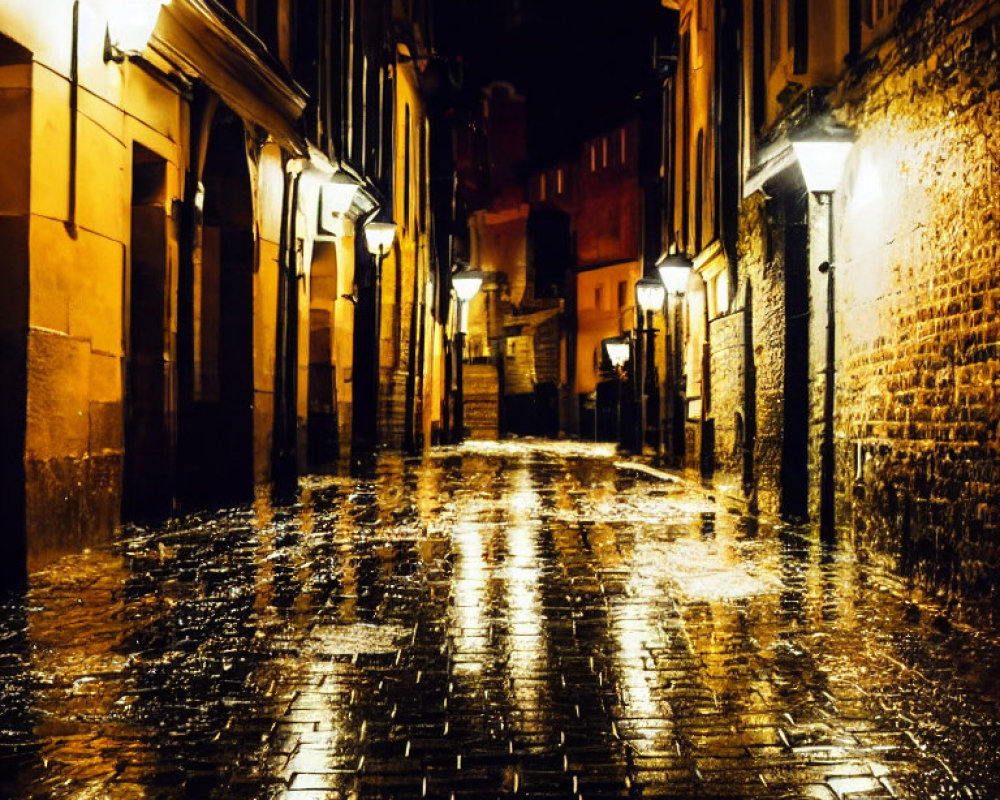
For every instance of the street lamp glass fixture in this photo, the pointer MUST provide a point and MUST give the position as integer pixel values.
(337, 194)
(130, 26)
(649, 294)
(675, 270)
(822, 153)
(467, 283)
(618, 352)
(379, 237)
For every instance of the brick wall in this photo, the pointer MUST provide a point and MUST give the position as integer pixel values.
(918, 290)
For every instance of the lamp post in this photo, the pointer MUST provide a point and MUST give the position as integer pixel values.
(379, 237)
(617, 350)
(675, 271)
(822, 151)
(130, 26)
(466, 284)
(649, 297)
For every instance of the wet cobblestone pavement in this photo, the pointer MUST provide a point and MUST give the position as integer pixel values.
(500, 621)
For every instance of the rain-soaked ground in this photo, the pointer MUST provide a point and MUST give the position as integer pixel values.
(505, 620)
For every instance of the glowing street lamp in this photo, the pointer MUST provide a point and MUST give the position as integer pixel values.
(822, 152)
(466, 284)
(379, 237)
(649, 297)
(337, 195)
(675, 270)
(130, 26)
(618, 350)
(649, 294)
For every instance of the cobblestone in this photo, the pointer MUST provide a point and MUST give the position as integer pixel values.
(497, 621)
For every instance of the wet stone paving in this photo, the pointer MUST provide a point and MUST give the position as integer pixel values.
(512, 620)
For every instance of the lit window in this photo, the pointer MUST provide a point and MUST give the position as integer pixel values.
(559, 181)
(623, 146)
(541, 187)
(604, 151)
(593, 158)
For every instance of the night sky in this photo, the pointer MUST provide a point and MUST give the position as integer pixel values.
(580, 63)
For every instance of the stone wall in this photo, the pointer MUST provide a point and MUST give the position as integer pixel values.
(726, 337)
(918, 290)
(762, 294)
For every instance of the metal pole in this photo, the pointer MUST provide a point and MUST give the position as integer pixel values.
(827, 447)
(460, 388)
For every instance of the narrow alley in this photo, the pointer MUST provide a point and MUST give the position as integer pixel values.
(493, 620)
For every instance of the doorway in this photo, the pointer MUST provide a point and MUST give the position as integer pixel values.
(148, 463)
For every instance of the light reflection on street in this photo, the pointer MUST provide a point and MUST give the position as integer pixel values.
(499, 619)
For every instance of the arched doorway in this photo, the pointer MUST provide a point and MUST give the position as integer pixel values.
(217, 425)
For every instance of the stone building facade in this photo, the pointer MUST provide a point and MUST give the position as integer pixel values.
(179, 302)
(914, 252)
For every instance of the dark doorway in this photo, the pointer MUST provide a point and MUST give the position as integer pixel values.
(795, 447)
(147, 489)
(218, 421)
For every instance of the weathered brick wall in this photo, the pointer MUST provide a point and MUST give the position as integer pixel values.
(918, 290)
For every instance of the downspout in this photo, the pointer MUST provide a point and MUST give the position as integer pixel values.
(74, 104)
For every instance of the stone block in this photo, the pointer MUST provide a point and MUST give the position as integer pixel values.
(58, 391)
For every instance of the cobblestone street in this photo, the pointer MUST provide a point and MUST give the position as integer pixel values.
(499, 620)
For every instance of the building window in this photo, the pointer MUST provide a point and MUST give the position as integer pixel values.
(559, 181)
(593, 157)
(541, 186)
(599, 297)
(604, 151)
(623, 148)
(622, 294)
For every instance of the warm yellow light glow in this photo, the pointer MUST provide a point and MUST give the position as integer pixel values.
(131, 24)
(674, 269)
(379, 237)
(822, 163)
(467, 283)
(337, 194)
(618, 352)
(649, 294)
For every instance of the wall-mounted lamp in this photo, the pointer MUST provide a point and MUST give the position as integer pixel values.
(675, 270)
(822, 151)
(336, 196)
(379, 237)
(130, 26)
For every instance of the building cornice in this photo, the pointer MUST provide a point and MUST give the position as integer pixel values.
(205, 43)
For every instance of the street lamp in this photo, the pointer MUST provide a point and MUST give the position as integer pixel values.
(130, 26)
(675, 272)
(618, 351)
(649, 297)
(822, 151)
(379, 237)
(466, 283)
